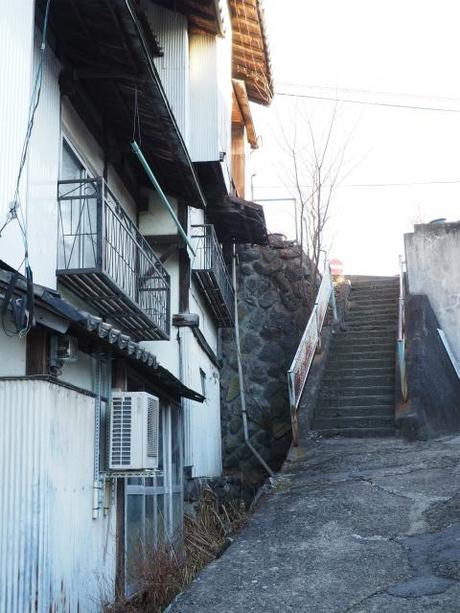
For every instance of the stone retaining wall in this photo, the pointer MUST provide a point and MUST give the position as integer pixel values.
(273, 311)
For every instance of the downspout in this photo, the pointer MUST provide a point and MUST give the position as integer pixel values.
(164, 201)
(244, 413)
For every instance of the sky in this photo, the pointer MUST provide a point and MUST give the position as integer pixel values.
(401, 53)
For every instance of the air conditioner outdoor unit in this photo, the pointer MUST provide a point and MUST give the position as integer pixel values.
(134, 432)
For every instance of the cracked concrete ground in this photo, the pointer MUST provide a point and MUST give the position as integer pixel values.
(353, 525)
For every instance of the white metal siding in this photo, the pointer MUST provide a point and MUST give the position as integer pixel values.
(201, 420)
(12, 355)
(42, 212)
(53, 555)
(171, 29)
(224, 80)
(204, 113)
(16, 34)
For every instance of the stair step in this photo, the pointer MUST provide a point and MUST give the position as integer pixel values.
(374, 296)
(371, 421)
(353, 340)
(374, 287)
(383, 306)
(376, 317)
(359, 360)
(363, 334)
(354, 371)
(369, 342)
(358, 380)
(371, 326)
(373, 279)
(375, 390)
(357, 285)
(357, 432)
(348, 398)
(362, 299)
(358, 411)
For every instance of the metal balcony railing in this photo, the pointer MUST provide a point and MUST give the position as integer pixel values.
(104, 259)
(210, 271)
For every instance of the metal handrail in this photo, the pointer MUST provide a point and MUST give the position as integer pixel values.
(401, 340)
(311, 340)
(449, 351)
(209, 257)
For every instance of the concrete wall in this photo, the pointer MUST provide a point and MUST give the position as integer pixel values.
(433, 405)
(432, 259)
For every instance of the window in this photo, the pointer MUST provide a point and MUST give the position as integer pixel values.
(78, 218)
(154, 505)
(203, 382)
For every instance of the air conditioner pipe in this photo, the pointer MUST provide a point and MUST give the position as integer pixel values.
(244, 413)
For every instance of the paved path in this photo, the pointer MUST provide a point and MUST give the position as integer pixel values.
(355, 525)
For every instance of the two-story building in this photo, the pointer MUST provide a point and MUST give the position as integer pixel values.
(126, 124)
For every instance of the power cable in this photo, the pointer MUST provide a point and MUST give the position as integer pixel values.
(365, 185)
(368, 91)
(368, 102)
(15, 209)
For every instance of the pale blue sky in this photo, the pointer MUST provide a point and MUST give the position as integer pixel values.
(410, 47)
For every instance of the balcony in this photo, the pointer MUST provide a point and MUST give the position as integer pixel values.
(211, 274)
(104, 259)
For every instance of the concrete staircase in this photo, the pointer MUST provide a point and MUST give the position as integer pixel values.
(356, 396)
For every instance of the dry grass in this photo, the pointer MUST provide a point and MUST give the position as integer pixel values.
(166, 572)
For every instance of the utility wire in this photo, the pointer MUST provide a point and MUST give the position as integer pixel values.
(15, 209)
(369, 102)
(367, 91)
(357, 185)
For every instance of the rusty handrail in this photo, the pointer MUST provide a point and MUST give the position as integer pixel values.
(300, 367)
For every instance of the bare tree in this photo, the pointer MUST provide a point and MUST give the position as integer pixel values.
(314, 168)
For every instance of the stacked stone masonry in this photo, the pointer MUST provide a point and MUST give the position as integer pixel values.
(273, 311)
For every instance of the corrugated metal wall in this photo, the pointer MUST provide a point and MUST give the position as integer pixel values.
(210, 99)
(16, 34)
(53, 555)
(204, 117)
(172, 31)
(224, 79)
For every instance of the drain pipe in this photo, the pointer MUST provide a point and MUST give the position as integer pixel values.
(244, 413)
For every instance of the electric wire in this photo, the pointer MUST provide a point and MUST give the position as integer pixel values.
(364, 185)
(15, 211)
(368, 91)
(368, 102)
